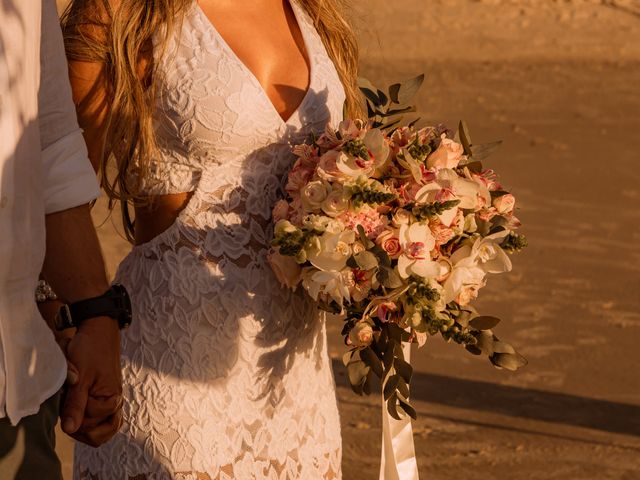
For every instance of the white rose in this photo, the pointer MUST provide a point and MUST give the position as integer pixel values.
(285, 268)
(361, 335)
(335, 203)
(401, 217)
(357, 247)
(313, 194)
(505, 203)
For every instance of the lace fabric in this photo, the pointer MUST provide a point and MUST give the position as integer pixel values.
(226, 373)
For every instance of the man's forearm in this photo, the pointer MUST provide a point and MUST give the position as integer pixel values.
(73, 264)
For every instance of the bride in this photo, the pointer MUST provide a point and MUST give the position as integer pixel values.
(189, 109)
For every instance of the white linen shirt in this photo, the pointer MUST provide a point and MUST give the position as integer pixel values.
(44, 168)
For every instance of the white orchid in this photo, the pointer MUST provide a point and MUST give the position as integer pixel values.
(328, 285)
(463, 284)
(417, 241)
(377, 150)
(485, 253)
(448, 185)
(333, 250)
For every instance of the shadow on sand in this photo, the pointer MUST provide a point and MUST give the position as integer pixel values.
(520, 402)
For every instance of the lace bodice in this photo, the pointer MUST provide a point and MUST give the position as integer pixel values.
(226, 373)
(212, 113)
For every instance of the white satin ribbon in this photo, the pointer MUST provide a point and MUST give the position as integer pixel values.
(398, 460)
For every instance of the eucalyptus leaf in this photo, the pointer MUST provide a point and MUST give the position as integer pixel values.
(485, 342)
(384, 100)
(465, 137)
(408, 409)
(484, 322)
(357, 372)
(413, 122)
(502, 347)
(393, 279)
(483, 151)
(390, 386)
(473, 349)
(393, 92)
(366, 260)
(410, 88)
(392, 407)
(508, 361)
(404, 369)
(403, 389)
(371, 97)
(371, 360)
(346, 358)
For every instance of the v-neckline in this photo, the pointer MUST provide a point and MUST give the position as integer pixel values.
(252, 76)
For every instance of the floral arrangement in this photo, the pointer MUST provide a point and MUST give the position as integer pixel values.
(396, 228)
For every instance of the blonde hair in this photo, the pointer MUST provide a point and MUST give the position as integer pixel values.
(118, 35)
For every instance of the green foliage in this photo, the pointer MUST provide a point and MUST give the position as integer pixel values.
(514, 242)
(431, 210)
(386, 110)
(363, 194)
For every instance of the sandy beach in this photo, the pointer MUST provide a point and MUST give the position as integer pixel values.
(559, 83)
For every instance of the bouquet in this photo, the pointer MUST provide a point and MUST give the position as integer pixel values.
(396, 228)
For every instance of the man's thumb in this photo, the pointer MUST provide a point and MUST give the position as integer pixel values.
(73, 408)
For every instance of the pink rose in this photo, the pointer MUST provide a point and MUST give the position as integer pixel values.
(447, 155)
(298, 177)
(280, 211)
(285, 268)
(504, 203)
(389, 241)
(442, 233)
(328, 167)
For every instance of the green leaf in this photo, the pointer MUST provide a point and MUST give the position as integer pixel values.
(387, 359)
(366, 260)
(383, 257)
(508, 361)
(357, 372)
(403, 389)
(408, 409)
(370, 358)
(485, 342)
(413, 122)
(390, 386)
(393, 92)
(474, 167)
(346, 358)
(483, 151)
(465, 138)
(502, 347)
(484, 322)
(371, 96)
(390, 278)
(473, 349)
(392, 407)
(404, 369)
(409, 89)
(383, 98)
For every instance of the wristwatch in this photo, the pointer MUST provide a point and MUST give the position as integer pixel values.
(114, 303)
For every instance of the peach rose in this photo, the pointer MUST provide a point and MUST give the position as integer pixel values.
(389, 241)
(286, 269)
(447, 155)
(504, 203)
(280, 211)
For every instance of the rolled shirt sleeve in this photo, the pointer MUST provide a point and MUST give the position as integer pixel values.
(68, 176)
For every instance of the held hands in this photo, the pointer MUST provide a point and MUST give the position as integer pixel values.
(92, 403)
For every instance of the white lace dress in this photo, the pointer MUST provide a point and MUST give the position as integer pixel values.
(226, 374)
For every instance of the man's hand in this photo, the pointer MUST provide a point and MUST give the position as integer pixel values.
(91, 409)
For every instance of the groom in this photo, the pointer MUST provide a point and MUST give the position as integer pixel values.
(46, 183)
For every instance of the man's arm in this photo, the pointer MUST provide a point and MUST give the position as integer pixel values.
(74, 267)
(73, 263)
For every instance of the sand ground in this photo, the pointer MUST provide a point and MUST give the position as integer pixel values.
(559, 82)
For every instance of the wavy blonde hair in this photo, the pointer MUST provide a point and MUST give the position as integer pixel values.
(117, 34)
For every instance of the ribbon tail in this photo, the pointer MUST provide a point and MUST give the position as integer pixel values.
(398, 461)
